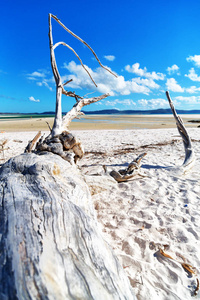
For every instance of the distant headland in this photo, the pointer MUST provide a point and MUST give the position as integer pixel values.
(160, 111)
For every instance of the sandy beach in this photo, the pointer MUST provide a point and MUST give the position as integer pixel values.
(152, 222)
(98, 122)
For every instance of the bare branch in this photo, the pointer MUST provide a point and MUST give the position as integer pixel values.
(75, 111)
(64, 44)
(61, 123)
(53, 60)
(71, 94)
(48, 125)
(67, 82)
(82, 41)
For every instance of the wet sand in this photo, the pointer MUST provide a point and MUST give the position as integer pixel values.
(100, 122)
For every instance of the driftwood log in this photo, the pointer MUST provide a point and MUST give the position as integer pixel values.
(131, 171)
(51, 247)
(189, 160)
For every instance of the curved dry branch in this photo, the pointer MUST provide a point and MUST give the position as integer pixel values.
(189, 153)
(66, 45)
(82, 41)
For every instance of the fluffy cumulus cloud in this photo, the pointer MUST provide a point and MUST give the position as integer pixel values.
(173, 86)
(135, 69)
(109, 57)
(153, 103)
(195, 59)
(149, 82)
(124, 102)
(189, 100)
(192, 90)
(173, 69)
(33, 99)
(40, 78)
(35, 75)
(192, 75)
(106, 82)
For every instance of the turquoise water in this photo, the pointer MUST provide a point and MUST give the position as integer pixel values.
(31, 116)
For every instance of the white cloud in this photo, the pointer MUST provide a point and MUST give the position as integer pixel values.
(125, 102)
(109, 57)
(173, 69)
(33, 99)
(40, 78)
(106, 82)
(192, 90)
(192, 75)
(173, 86)
(147, 82)
(189, 100)
(195, 59)
(154, 103)
(135, 69)
(44, 83)
(36, 74)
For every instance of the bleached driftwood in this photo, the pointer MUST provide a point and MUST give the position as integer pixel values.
(131, 171)
(60, 140)
(61, 124)
(51, 247)
(189, 152)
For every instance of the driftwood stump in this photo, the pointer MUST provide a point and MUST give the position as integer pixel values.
(51, 247)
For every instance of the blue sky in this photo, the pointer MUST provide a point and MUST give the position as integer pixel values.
(152, 46)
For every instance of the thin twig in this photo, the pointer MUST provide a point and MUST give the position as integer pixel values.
(67, 82)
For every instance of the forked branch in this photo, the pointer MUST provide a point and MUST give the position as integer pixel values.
(66, 45)
(82, 41)
(76, 109)
(59, 123)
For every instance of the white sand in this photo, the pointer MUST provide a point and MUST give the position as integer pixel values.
(145, 214)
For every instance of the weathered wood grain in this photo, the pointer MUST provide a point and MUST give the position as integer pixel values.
(51, 246)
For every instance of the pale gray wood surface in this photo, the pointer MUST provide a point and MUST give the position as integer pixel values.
(51, 246)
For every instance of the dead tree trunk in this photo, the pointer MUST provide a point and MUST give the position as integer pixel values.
(51, 247)
(60, 137)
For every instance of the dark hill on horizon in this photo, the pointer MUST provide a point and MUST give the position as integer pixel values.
(117, 112)
(139, 112)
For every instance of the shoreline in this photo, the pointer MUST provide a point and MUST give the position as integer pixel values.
(100, 122)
